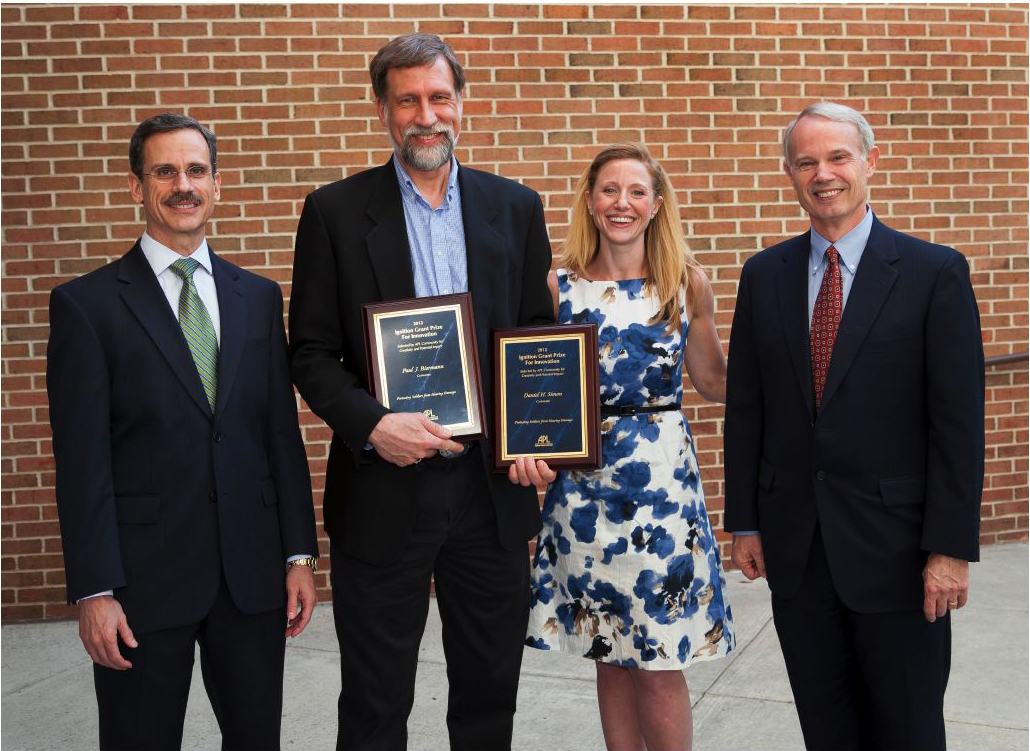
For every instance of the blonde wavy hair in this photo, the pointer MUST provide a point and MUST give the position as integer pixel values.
(669, 261)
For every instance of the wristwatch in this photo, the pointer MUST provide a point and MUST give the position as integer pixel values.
(311, 563)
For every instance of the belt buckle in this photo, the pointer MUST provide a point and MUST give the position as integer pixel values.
(626, 409)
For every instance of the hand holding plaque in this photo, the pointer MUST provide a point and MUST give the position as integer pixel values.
(422, 357)
(546, 396)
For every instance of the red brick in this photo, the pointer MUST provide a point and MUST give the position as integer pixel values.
(708, 87)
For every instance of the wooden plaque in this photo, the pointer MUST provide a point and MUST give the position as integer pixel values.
(422, 357)
(546, 396)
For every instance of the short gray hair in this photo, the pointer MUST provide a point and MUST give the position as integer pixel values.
(409, 51)
(838, 113)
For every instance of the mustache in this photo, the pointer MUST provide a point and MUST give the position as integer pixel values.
(417, 130)
(183, 198)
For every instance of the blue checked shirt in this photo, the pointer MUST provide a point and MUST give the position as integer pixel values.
(436, 236)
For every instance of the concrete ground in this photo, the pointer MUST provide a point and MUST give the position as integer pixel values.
(741, 702)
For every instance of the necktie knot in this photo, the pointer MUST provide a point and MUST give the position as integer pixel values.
(185, 267)
(831, 255)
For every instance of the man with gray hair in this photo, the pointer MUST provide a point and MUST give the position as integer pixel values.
(855, 448)
(404, 502)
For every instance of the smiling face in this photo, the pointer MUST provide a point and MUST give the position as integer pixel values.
(622, 203)
(829, 174)
(422, 113)
(177, 210)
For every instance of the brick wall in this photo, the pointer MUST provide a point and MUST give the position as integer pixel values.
(709, 88)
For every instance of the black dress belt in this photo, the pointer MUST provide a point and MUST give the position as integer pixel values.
(608, 410)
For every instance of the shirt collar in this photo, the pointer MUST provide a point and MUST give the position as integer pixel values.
(160, 257)
(407, 184)
(849, 247)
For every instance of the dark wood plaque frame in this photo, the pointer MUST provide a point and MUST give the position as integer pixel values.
(591, 395)
(473, 382)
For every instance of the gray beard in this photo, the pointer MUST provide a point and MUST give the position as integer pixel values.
(425, 158)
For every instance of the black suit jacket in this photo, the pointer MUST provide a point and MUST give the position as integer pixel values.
(157, 497)
(891, 465)
(352, 248)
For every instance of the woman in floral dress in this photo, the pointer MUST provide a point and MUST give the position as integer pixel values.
(627, 571)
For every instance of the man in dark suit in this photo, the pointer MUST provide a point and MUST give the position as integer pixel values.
(182, 484)
(855, 448)
(404, 502)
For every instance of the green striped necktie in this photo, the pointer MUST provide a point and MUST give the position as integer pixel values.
(197, 328)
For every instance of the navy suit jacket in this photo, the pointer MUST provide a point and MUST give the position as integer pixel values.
(157, 497)
(891, 464)
(352, 248)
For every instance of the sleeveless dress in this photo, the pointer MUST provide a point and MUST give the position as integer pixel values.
(626, 569)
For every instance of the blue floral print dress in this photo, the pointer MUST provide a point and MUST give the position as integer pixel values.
(626, 569)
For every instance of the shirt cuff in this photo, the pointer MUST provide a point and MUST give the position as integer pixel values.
(108, 593)
(746, 532)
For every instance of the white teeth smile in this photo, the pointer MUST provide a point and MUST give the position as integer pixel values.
(828, 193)
(620, 220)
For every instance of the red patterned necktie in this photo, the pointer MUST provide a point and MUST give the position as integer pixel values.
(825, 320)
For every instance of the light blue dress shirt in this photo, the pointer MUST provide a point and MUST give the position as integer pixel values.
(850, 248)
(436, 237)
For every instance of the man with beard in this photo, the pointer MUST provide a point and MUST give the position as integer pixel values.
(404, 502)
(182, 486)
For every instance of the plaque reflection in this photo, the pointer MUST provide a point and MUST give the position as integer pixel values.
(543, 397)
(547, 405)
(421, 358)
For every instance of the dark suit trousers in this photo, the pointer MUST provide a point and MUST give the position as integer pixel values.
(241, 659)
(482, 592)
(862, 680)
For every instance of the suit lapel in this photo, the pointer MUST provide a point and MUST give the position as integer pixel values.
(792, 288)
(142, 293)
(232, 309)
(484, 251)
(874, 278)
(387, 243)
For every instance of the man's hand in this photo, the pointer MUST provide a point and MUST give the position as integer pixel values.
(527, 472)
(746, 555)
(945, 585)
(300, 598)
(101, 622)
(404, 438)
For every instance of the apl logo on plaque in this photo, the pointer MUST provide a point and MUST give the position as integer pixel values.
(430, 414)
(543, 442)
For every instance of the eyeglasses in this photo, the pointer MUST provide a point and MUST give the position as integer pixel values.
(196, 174)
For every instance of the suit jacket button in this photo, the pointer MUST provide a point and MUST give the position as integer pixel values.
(213, 497)
(218, 437)
(820, 475)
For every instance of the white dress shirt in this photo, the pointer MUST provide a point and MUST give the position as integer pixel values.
(161, 258)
